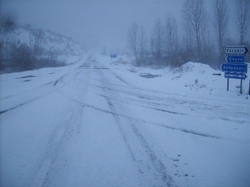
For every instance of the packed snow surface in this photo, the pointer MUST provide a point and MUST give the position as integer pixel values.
(104, 123)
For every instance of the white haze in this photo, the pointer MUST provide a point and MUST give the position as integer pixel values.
(95, 23)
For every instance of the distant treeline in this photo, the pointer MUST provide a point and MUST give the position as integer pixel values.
(204, 37)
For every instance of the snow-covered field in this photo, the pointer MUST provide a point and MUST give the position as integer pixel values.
(99, 123)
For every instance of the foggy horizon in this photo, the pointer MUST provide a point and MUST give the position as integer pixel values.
(91, 23)
(96, 24)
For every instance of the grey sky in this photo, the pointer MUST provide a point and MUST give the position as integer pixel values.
(92, 23)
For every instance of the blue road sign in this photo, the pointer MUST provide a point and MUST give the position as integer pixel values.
(236, 50)
(235, 75)
(235, 59)
(240, 68)
(113, 56)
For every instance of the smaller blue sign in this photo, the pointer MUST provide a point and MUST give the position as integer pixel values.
(240, 68)
(235, 59)
(113, 56)
(235, 75)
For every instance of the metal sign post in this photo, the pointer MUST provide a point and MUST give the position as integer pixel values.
(235, 66)
(227, 84)
(249, 87)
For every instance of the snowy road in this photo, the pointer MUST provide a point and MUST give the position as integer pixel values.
(93, 127)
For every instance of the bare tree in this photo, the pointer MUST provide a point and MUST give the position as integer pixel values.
(171, 39)
(137, 43)
(157, 41)
(133, 41)
(220, 21)
(37, 45)
(142, 45)
(195, 22)
(243, 19)
(21, 57)
(187, 47)
(6, 26)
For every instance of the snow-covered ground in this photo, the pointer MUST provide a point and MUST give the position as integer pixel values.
(105, 123)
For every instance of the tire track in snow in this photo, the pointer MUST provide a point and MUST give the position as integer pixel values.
(143, 106)
(109, 96)
(24, 103)
(119, 78)
(143, 155)
(162, 104)
(40, 176)
(27, 91)
(142, 164)
(149, 122)
(41, 96)
(57, 142)
(109, 91)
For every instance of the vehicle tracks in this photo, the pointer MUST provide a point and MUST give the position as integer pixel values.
(140, 149)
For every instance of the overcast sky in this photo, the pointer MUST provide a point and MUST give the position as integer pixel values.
(92, 22)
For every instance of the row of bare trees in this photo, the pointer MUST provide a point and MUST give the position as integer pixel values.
(200, 40)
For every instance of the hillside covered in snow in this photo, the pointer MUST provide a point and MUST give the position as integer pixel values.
(27, 47)
(47, 39)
